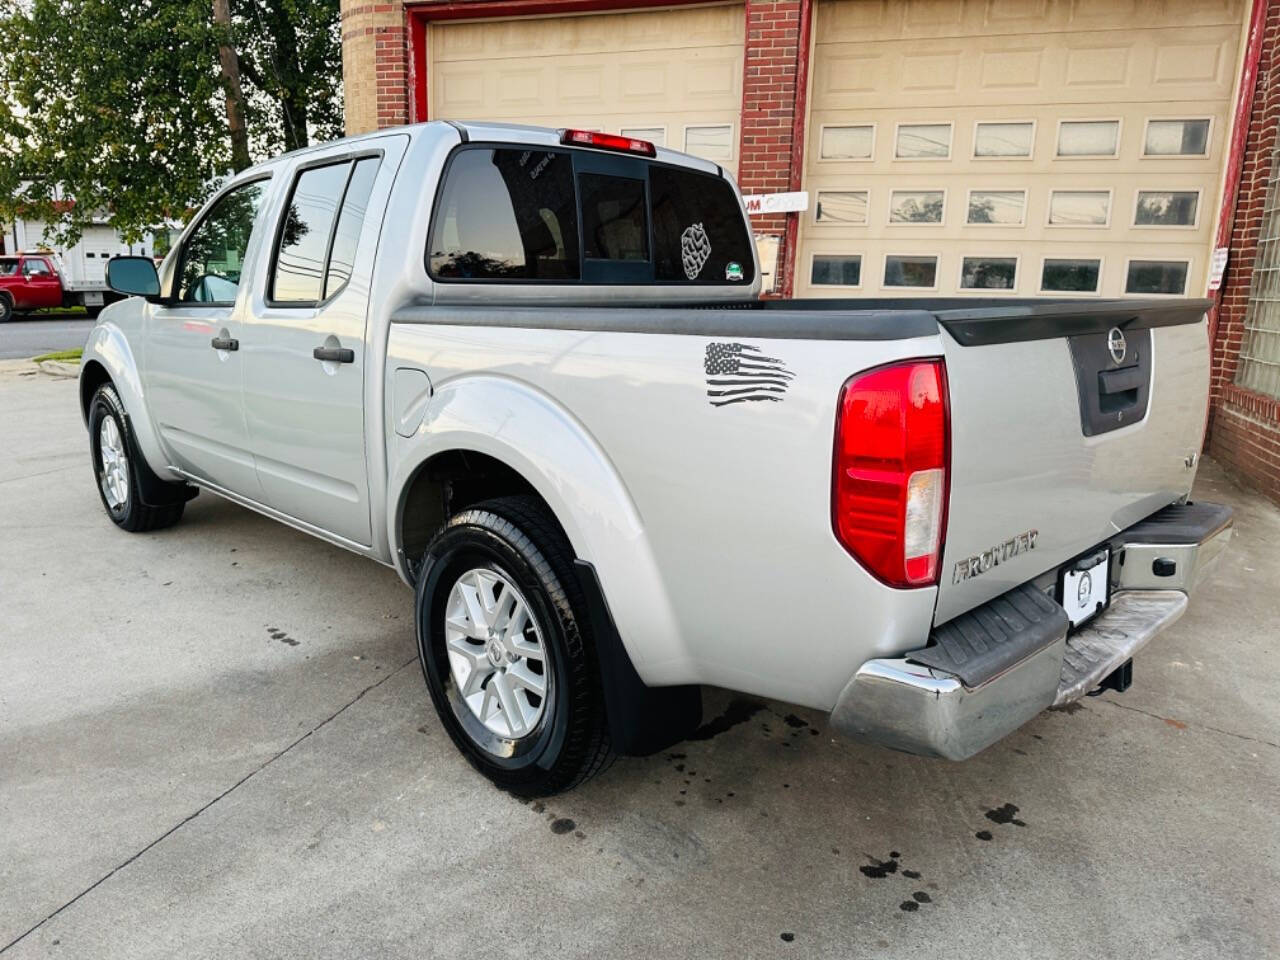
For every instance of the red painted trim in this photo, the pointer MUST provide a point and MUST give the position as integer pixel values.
(486, 9)
(1239, 135)
(799, 117)
(416, 25)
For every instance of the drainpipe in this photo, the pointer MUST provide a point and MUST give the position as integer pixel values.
(799, 116)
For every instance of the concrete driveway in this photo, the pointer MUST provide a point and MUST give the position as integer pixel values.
(215, 742)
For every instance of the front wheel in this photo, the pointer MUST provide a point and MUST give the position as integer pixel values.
(117, 469)
(506, 650)
(6, 309)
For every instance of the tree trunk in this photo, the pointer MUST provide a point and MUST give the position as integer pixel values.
(231, 80)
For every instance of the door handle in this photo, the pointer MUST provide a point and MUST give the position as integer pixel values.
(225, 343)
(335, 354)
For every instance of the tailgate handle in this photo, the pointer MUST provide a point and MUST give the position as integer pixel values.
(1120, 381)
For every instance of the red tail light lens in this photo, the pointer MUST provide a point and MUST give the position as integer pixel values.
(889, 491)
(607, 141)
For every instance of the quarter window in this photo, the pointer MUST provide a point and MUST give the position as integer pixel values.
(213, 256)
(1166, 208)
(1157, 277)
(355, 204)
(836, 270)
(1176, 138)
(507, 215)
(1089, 138)
(1070, 276)
(910, 271)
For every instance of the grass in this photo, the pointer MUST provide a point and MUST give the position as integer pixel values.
(64, 355)
(58, 312)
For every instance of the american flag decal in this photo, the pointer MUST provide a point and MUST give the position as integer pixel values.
(739, 372)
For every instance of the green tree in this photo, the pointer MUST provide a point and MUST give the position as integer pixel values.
(115, 105)
(123, 107)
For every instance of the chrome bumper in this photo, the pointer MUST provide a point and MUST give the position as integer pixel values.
(918, 709)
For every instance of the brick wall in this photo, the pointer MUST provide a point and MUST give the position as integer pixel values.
(1244, 427)
(375, 65)
(767, 153)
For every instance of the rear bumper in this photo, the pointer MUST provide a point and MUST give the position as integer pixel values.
(1006, 668)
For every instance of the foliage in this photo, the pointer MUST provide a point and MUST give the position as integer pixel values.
(121, 106)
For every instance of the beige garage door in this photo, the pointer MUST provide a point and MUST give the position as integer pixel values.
(672, 76)
(1063, 147)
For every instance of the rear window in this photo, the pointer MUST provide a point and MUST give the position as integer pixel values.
(507, 215)
(515, 215)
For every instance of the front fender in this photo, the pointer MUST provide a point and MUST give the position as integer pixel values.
(108, 346)
(543, 442)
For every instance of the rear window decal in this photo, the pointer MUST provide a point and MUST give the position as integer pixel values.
(740, 372)
(695, 248)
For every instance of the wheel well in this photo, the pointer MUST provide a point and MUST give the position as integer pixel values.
(447, 483)
(92, 377)
(6, 295)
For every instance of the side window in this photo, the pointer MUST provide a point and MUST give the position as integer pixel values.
(355, 203)
(699, 235)
(298, 274)
(213, 255)
(506, 215)
(36, 268)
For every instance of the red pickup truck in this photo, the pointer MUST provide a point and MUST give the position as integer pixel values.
(32, 281)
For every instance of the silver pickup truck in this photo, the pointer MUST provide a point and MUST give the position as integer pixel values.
(530, 369)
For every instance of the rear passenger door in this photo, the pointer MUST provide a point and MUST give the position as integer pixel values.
(304, 346)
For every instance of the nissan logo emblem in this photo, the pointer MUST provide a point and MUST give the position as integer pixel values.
(1116, 345)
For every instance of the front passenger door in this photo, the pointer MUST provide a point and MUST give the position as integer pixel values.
(193, 360)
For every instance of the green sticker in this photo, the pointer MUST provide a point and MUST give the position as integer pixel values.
(733, 271)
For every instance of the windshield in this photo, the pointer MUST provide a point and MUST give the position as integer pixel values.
(8, 266)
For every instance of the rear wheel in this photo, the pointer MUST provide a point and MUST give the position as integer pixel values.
(117, 469)
(504, 641)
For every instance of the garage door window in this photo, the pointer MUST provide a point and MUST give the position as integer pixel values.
(1176, 138)
(1089, 138)
(1004, 208)
(916, 206)
(830, 270)
(841, 206)
(1007, 141)
(1157, 277)
(507, 215)
(923, 141)
(711, 142)
(1079, 208)
(854, 142)
(911, 271)
(1166, 208)
(1062, 275)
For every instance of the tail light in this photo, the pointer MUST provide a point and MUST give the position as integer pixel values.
(607, 141)
(889, 491)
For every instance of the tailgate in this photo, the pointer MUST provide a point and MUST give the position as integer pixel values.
(1069, 422)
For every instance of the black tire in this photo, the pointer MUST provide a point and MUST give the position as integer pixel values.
(519, 538)
(6, 309)
(132, 514)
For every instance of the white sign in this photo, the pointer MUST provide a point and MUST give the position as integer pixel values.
(1217, 267)
(777, 202)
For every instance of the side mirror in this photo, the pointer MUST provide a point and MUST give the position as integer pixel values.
(133, 276)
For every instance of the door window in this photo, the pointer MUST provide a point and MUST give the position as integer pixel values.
(36, 268)
(507, 215)
(213, 257)
(310, 214)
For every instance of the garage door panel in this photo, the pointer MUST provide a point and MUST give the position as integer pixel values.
(880, 20)
(1090, 73)
(669, 69)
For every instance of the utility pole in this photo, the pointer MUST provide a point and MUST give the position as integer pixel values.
(231, 79)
